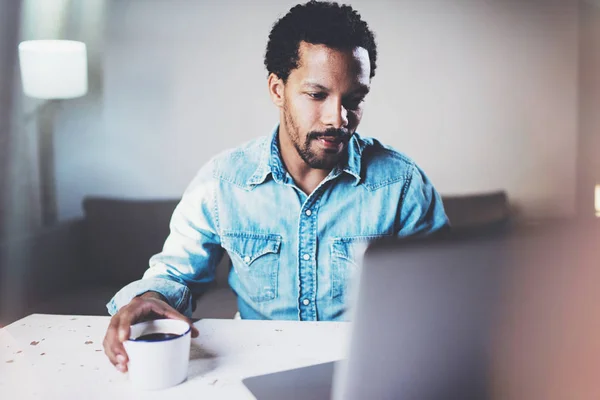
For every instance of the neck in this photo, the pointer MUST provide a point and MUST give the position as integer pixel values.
(305, 177)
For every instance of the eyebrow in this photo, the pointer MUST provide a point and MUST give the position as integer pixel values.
(362, 89)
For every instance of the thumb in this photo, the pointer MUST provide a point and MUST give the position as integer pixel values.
(195, 331)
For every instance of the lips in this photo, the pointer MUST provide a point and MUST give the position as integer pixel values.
(330, 139)
(330, 142)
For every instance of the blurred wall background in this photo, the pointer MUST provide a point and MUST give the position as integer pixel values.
(484, 95)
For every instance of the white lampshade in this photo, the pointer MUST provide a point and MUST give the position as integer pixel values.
(53, 69)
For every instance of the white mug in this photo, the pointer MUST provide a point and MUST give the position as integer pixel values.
(162, 363)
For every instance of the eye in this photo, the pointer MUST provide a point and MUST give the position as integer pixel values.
(352, 104)
(316, 95)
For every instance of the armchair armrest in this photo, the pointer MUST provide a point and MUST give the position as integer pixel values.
(481, 212)
(38, 266)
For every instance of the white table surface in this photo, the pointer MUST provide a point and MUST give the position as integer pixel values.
(61, 357)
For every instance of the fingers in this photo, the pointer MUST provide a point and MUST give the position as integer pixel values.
(124, 329)
(119, 330)
(113, 347)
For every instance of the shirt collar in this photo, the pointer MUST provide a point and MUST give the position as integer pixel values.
(264, 167)
(271, 162)
(353, 163)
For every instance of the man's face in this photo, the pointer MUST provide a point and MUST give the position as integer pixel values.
(323, 102)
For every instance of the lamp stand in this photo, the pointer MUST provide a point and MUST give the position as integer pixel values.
(46, 167)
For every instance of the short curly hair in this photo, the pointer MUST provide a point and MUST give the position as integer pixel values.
(336, 26)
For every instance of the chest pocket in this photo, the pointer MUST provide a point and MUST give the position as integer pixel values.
(255, 258)
(346, 255)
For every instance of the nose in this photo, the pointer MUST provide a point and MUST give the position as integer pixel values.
(335, 114)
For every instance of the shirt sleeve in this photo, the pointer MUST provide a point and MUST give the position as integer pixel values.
(422, 211)
(187, 262)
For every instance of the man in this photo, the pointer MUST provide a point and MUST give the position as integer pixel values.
(292, 209)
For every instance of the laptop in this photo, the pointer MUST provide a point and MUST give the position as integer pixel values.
(421, 320)
(424, 317)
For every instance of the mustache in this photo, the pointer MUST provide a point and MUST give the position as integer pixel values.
(342, 134)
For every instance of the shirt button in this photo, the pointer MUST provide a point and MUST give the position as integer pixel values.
(308, 212)
(306, 302)
(306, 257)
(247, 259)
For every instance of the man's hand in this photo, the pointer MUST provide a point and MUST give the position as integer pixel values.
(150, 305)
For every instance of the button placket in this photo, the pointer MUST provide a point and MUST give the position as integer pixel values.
(308, 257)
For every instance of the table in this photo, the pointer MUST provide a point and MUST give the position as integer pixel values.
(61, 357)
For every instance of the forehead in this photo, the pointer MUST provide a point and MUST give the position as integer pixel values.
(333, 66)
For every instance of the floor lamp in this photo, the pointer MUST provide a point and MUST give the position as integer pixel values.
(51, 70)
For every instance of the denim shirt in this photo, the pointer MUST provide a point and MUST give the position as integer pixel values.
(293, 255)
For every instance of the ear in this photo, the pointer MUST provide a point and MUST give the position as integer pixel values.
(276, 89)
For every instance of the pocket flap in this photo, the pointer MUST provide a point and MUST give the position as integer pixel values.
(250, 246)
(351, 248)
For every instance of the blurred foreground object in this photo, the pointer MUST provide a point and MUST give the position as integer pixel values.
(547, 340)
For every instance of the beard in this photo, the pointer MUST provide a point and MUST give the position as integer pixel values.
(316, 158)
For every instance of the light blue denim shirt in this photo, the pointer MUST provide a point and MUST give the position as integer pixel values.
(293, 255)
